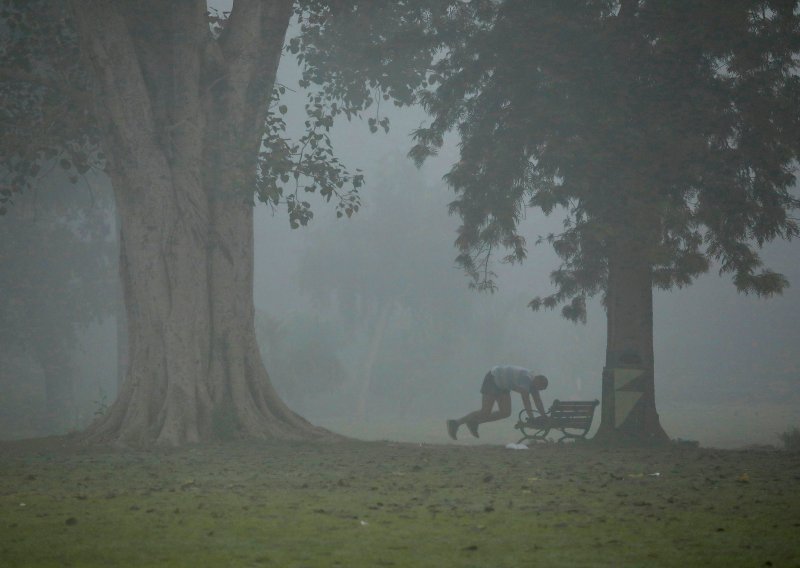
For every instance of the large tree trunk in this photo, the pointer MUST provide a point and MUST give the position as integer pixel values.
(628, 406)
(183, 116)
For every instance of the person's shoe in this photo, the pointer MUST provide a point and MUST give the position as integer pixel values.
(473, 428)
(452, 428)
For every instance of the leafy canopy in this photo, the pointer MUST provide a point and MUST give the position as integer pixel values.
(43, 99)
(673, 124)
(48, 118)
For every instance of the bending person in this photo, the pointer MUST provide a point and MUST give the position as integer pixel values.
(496, 388)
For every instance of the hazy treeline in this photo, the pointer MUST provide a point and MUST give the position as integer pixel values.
(59, 283)
(376, 323)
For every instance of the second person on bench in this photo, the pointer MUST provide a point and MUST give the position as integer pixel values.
(496, 388)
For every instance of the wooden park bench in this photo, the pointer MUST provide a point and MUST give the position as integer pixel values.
(572, 417)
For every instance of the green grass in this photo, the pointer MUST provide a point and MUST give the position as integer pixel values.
(386, 504)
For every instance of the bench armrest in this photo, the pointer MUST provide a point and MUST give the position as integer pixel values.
(534, 420)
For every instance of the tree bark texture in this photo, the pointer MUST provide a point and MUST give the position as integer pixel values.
(628, 406)
(182, 115)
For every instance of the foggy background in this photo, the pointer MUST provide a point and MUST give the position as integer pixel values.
(368, 328)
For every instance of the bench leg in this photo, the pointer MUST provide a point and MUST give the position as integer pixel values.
(566, 434)
(540, 436)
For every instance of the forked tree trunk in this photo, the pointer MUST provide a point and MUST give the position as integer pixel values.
(182, 115)
(628, 406)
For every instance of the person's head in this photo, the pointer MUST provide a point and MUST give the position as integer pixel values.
(539, 382)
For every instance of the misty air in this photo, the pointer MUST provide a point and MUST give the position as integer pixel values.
(413, 283)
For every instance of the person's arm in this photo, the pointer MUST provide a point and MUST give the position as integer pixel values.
(537, 400)
(526, 402)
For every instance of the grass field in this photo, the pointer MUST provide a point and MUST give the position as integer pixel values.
(390, 504)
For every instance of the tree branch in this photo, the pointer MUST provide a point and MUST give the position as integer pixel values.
(107, 46)
(251, 44)
(627, 8)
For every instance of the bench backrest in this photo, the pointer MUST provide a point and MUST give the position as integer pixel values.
(578, 413)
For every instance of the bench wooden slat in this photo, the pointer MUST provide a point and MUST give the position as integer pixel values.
(567, 420)
(573, 406)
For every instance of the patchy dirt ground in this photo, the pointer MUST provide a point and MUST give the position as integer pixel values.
(389, 504)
